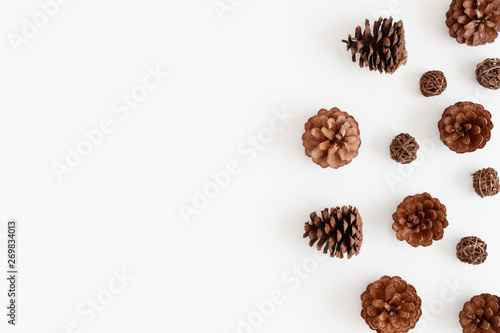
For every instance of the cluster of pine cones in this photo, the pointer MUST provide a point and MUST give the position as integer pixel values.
(332, 139)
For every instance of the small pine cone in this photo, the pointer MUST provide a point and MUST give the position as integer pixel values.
(432, 83)
(488, 73)
(419, 220)
(391, 305)
(474, 22)
(331, 138)
(404, 148)
(481, 314)
(472, 250)
(384, 50)
(486, 182)
(465, 127)
(340, 231)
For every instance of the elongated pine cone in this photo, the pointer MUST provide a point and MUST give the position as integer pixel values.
(474, 22)
(472, 250)
(404, 148)
(481, 314)
(391, 305)
(486, 182)
(465, 127)
(331, 138)
(384, 50)
(339, 231)
(419, 220)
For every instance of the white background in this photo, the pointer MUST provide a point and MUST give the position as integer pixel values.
(119, 209)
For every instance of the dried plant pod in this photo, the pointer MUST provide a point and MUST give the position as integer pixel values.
(481, 314)
(331, 138)
(391, 305)
(474, 22)
(419, 220)
(465, 127)
(339, 231)
(486, 182)
(472, 250)
(404, 148)
(488, 73)
(432, 83)
(384, 50)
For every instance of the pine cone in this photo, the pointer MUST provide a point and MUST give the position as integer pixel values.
(340, 231)
(481, 314)
(420, 219)
(474, 22)
(331, 138)
(465, 127)
(384, 50)
(391, 305)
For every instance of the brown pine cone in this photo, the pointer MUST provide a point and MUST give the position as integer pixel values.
(391, 305)
(331, 138)
(340, 231)
(474, 22)
(481, 314)
(384, 50)
(465, 127)
(420, 219)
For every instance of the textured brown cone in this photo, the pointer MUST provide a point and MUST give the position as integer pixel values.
(465, 127)
(472, 250)
(384, 50)
(486, 182)
(481, 314)
(404, 148)
(339, 231)
(391, 305)
(331, 138)
(419, 220)
(474, 22)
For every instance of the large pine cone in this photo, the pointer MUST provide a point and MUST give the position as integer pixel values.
(420, 219)
(391, 305)
(331, 138)
(481, 314)
(465, 127)
(340, 231)
(384, 50)
(474, 22)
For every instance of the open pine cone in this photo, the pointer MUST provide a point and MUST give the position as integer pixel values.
(474, 22)
(331, 138)
(340, 231)
(384, 50)
(391, 305)
(465, 127)
(481, 314)
(419, 220)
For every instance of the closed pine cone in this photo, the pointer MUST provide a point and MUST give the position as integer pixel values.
(339, 231)
(474, 22)
(331, 138)
(481, 314)
(384, 50)
(391, 305)
(465, 127)
(419, 220)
